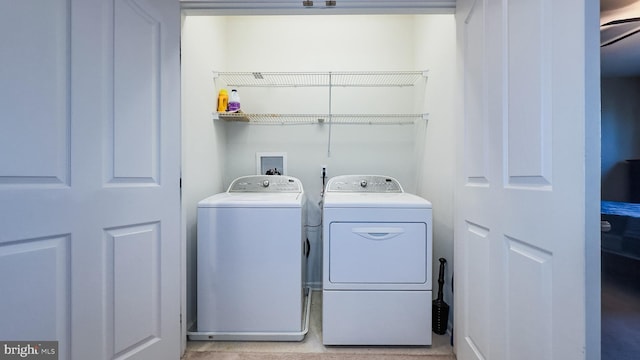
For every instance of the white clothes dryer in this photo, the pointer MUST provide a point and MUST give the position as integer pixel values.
(251, 261)
(377, 260)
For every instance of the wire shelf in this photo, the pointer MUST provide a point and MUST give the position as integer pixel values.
(310, 119)
(321, 79)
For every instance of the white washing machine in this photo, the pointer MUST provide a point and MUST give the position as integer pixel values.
(377, 253)
(251, 261)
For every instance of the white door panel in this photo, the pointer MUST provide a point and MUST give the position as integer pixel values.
(35, 165)
(136, 108)
(35, 279)
(523, 202)
(89, 179)
(35, 96)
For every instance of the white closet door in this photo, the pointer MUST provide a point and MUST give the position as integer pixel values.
(89, 176)
(527, 185)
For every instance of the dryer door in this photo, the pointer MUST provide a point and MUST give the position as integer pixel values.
(378, 255)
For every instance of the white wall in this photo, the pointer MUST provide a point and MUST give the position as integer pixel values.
(323, 43)
(203, 141)
(420, 156)
(435, 46)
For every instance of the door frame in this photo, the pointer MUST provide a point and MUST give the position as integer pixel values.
(592, 118)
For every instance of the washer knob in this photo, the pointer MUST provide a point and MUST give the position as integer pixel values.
(265, 183)
(363, 183)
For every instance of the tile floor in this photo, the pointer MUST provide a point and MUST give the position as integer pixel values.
(312, 344)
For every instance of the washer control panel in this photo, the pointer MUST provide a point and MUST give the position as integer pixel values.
(266, 183)
(364, 183)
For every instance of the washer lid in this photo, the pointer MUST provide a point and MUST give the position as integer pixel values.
(266, 184)
(253, 200)
(364, 184)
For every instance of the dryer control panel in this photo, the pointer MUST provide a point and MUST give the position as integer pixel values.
(266, 183)
(364, 183)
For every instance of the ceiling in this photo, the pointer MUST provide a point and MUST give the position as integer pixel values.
(620, 37)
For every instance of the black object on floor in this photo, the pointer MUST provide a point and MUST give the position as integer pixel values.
(440, 309)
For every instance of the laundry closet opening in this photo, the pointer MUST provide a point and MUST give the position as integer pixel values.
(418, 152)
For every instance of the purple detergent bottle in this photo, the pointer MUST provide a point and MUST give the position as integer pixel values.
(234, 101)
